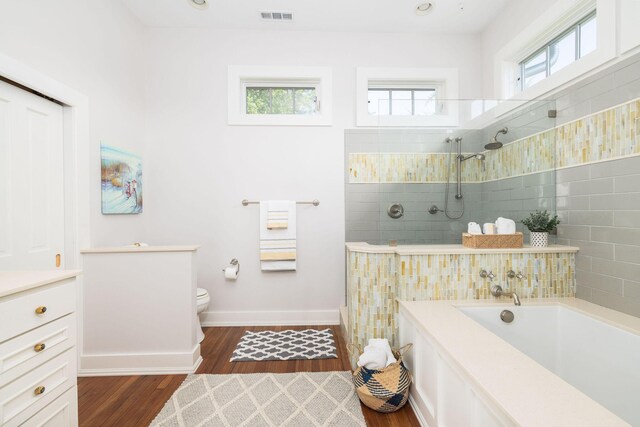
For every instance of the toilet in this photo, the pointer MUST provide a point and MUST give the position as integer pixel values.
(202, 302)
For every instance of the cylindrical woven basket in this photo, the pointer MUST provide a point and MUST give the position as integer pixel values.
(385, 390)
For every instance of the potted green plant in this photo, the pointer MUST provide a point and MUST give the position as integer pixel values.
(540, 223)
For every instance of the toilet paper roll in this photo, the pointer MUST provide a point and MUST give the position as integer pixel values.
(231, 273)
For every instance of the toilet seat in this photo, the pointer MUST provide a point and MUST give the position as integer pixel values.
(201, 293)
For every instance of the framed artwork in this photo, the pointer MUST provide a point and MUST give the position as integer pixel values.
(121, 174)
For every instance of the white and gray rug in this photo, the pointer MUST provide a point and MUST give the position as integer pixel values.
(285, 345)
(293, 400)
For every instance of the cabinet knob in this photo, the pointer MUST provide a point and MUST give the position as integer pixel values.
(39, 390)
(39, 347)
(41, 310)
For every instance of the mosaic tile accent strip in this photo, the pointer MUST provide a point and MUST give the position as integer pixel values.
(374, 281)
(606, 135)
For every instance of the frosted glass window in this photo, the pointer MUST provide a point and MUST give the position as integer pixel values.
(535, 69)
(562, 52)
(588, 39)
(401, 103)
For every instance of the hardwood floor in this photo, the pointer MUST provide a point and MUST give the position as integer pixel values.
(135, 400)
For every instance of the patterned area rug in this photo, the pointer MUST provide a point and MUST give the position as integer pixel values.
(300, 400)
(285, 345)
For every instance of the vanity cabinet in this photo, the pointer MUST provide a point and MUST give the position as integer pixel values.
(38, 357)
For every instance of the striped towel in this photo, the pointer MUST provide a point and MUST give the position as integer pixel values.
(278, 244)
(277, 215)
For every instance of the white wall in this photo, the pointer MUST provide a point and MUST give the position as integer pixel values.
(198, 168)
(96, 48)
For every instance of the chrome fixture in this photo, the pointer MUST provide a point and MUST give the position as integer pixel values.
(485, 275)
(459, 159)
(423, 7)
(235, 263)
(497, 291)
(395, 211)
(507, 316)
(434, 210)
(495, 144)
(512, 275)
(199, 4)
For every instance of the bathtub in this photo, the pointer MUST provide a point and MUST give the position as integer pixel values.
(561, 362)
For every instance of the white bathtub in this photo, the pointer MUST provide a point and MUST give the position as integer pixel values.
(559, 363)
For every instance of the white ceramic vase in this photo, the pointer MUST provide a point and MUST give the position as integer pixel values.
(539, 239)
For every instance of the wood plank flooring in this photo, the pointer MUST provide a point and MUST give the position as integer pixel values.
(135, 400)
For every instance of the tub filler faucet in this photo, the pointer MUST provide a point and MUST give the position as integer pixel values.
(497, 291)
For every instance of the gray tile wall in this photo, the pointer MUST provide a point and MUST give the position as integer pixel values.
(599, 204)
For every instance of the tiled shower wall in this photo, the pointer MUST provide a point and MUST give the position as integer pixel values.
(599, 203)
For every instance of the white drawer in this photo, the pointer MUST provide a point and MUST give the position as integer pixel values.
(62, 412)
(24, 352)
(18, 399)
(18, 314)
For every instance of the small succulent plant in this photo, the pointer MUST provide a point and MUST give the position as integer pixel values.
(541, 222)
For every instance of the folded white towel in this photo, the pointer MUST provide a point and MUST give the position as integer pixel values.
(505, 226)
(489, 228)
(382, 344)
(474, 228)
(373, 358)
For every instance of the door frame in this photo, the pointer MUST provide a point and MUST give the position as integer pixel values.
(77, 163)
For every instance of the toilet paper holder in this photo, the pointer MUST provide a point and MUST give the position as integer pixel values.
(235, 263)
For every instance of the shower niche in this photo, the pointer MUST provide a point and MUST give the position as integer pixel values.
(424, 185)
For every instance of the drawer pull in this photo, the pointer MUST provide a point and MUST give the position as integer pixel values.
(39, 390)
(41, 310)
(39, 347)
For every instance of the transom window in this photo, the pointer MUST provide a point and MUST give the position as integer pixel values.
(385, 101)
(568, 47)
(281, 100)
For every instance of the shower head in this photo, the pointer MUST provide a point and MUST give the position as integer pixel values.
(495, 144)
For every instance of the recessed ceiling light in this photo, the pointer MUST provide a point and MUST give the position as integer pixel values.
(423, 7)
(199, 4)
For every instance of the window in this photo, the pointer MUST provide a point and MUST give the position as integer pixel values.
(568, 47)
(281, 100)
(407, 97)
(282, 96)
(402, 101)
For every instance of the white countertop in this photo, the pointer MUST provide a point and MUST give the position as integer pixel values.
(510, 378)
(452, 249)
(137, 249)
(12, 282)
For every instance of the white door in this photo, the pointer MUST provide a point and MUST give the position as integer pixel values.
(31, 181)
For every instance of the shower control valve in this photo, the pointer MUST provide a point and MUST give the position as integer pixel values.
(512, 275)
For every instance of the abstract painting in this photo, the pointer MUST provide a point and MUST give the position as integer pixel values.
(121, 181)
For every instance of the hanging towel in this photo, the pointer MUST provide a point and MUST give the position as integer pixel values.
(278, 214)
(278, 245)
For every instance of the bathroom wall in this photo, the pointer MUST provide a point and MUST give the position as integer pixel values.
(199, 168)
(96, 48)
(599, 200)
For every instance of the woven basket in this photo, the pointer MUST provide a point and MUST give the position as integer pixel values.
(492, 241)
(386, 390)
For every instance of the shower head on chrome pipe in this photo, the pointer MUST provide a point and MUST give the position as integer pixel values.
(495, 144)
(478, 156)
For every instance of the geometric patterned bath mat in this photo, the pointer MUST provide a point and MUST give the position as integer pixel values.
(285, 345)
(292, 400)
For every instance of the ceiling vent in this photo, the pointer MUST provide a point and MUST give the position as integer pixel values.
(277, 16)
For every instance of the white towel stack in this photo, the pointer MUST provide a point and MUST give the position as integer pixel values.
(474, 228)
(505, 226)
(277, 215)
(278, 245)
(377, 355)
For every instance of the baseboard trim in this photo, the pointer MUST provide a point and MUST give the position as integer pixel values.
(270, 318)
(100, 365)
(417, 412)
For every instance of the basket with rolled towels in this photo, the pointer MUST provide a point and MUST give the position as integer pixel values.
(493, 235)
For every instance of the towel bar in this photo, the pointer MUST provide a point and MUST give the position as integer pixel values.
(315, 202)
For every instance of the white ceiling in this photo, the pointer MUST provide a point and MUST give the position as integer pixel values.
(385, 16)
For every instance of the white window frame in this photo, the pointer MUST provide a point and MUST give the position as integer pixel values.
(445, 80)
(241, 77)
(556, 20)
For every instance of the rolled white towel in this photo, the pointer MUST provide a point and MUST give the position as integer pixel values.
(373, 358)
(383, 344)
(474, 228)
(505, 226)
